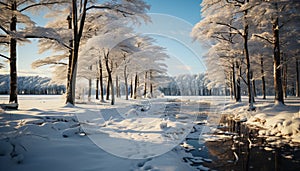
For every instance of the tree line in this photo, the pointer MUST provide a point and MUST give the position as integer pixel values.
(75, 22)
(32, 85)
(251, 40)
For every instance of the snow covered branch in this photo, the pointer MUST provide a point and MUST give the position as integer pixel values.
(115, 7)
(264, 38)
(228, 25)
(43, 4)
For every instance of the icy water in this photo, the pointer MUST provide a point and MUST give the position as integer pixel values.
(242, 150)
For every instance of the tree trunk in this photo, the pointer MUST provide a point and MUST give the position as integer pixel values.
(13, 93)
(97, 89)
(126, 84)
(110, 81)
(107, 89)
(276, 61)
(297, 79)
(77, 34)
(118, 87)
(233, 80)
(131, 88)
(284, 85)
(231, 85)
(238, 97)
(263, 77)
(151, 85)
(101, 81)
(135, 85)
(248, 69)
(145, 85)
(90, 87)
(254, 88)
(69, 19)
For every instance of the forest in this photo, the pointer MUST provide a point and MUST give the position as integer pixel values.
(253, 48)
(250, 41)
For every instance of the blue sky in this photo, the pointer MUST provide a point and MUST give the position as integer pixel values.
(185, 55)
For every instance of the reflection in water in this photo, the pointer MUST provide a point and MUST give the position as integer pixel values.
(244, 150)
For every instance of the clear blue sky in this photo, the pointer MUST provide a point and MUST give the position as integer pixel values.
(187, 55)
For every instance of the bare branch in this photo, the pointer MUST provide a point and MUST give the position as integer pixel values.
(50, 38)
(228, 25)
(264, 38)
(43, 4)
(4, 29)
(110, 8)
(2, 3)
(3, 56)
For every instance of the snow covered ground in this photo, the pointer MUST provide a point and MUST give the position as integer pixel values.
(45, 134)
(279, 123)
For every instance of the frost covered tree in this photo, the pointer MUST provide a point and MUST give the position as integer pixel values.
(276, 20)
(80, 13)
(13, 12)
(127, 8)
(250, 25)
(223, 20)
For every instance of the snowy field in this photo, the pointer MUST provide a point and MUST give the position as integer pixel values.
(45, 134)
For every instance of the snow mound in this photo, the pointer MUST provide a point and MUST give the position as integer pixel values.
(272, 119)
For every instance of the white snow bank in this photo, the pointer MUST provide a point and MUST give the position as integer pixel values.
(272, 119)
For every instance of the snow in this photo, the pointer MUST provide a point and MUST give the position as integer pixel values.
(45, 134)
(273, 120)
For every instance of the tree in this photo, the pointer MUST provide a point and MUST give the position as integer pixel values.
(277, 15)
(127, 8)
(223, 20)
(12, 14)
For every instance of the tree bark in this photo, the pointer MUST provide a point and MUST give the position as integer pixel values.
(90, 87)
(263, 77)
(69, 19)
(77, 34)
(151, 85)
(233, 80)
(135, 85)
(110, 81)
(131, 88)
(284, 85)
(107, 89)
(276, 61)
(238, 84)
(13, 93)
(126, 83)
(101, 81)
(297, 79)
(145, 85)
(97, 89)
(248, 69)
(118, 93)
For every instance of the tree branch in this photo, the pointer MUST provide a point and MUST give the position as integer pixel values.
(2, 3)
(264, 38)
(110, 8)
(3, 56)
(228, 25)
(3, 29)
(42, 4)
(51, 63)
(3, 42)
(50, 38)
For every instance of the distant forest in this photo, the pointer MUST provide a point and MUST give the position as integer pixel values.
(32, 85)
